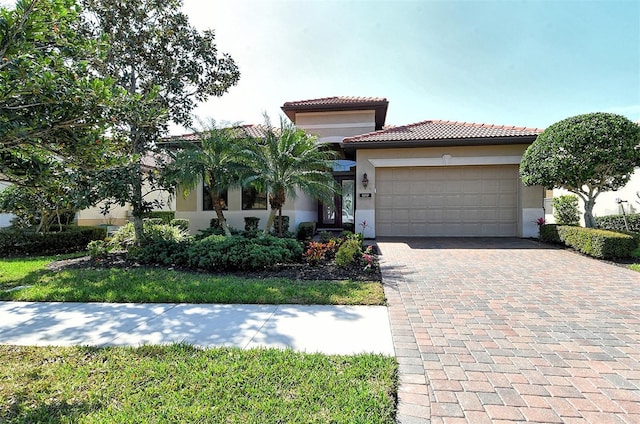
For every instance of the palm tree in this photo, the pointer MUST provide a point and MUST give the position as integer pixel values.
(215, 159)
(286, 160)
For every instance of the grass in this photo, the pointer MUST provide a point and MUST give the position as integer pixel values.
(144, 285)
(180, 383)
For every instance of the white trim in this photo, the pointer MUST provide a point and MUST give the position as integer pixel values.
(446, 160)
(343, 125)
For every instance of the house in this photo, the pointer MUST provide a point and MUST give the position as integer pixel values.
(431, 178)
(120, 215)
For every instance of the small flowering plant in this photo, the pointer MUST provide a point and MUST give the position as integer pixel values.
(540, 221)
(367, 258)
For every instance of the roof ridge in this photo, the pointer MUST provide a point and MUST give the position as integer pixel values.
(486, 125)
(344, 98)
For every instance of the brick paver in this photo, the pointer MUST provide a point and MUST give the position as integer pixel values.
(510, 330)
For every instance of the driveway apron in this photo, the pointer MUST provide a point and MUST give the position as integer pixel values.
(510, 330)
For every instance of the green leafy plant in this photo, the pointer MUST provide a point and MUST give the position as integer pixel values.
(348, 251)
(97, 249)
(565, 209)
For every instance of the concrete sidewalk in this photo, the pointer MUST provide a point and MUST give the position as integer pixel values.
(327, 329)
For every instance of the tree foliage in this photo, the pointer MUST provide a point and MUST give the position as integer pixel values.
(586, 155)
(52, 102)
(287, 160)
(216, 157)
(156, 55)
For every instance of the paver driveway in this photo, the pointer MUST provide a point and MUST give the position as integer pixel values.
(509, 330)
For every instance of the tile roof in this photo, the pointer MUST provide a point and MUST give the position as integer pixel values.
(250, 130)
(336, 100)
(339, 103)
(433, 130)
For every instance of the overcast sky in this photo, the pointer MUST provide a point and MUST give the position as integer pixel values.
(528, 63)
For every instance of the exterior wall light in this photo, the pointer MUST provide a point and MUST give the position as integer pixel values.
(365, 180)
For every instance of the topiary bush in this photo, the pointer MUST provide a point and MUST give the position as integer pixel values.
(16, 242)
(306, 230)
(239, 252)
(565, 209)
(251, 223)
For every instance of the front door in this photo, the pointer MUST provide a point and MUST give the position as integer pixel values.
(340, 213)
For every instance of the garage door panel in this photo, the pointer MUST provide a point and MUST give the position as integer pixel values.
(447, 201)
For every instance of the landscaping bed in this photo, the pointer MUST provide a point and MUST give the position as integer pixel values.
(323, 270)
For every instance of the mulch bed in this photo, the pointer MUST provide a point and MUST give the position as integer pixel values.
(327, 270)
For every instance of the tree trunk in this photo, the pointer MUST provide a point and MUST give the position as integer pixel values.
(589, 220)
(217, 207)
(280, 221)
(276, 201)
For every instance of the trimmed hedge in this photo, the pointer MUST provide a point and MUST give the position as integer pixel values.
(616, 222)
(602, 244)
(72, 239)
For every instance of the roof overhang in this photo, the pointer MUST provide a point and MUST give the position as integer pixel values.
(491, 141)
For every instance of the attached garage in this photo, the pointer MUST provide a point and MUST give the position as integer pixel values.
(445, 179)
(458, 201)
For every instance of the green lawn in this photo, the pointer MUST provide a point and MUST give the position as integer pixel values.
(145, 285)
(180, 383)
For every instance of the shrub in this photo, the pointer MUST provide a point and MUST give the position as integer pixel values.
(549, 233)
(565, 209)
(165, 216)
(165, 252)
(239, 252)
(124, 238)
(182, 224)
(616, 222)
(318, 251)
(154, 221)
(348, 251)
(597, 243)
(306, 230)
(26, 242)
(251, 223)
(97, 249)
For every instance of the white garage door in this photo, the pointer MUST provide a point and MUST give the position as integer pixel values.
(469, 201)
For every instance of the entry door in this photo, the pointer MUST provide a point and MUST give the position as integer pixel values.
(341, 211)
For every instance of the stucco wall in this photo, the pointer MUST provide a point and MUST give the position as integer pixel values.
(300, 208)
(334, 126)
(119, 215)
(530, 198)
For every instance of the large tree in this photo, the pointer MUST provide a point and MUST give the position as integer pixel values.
(157, 55)
(286, 160)
(586, 155)
(52, 101)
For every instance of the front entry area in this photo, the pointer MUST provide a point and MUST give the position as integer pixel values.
(339, 215)
(452, 201)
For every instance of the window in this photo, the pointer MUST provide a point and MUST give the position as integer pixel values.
(207, 204)
(252, 199)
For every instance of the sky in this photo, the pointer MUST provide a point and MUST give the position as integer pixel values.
(523, 63)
